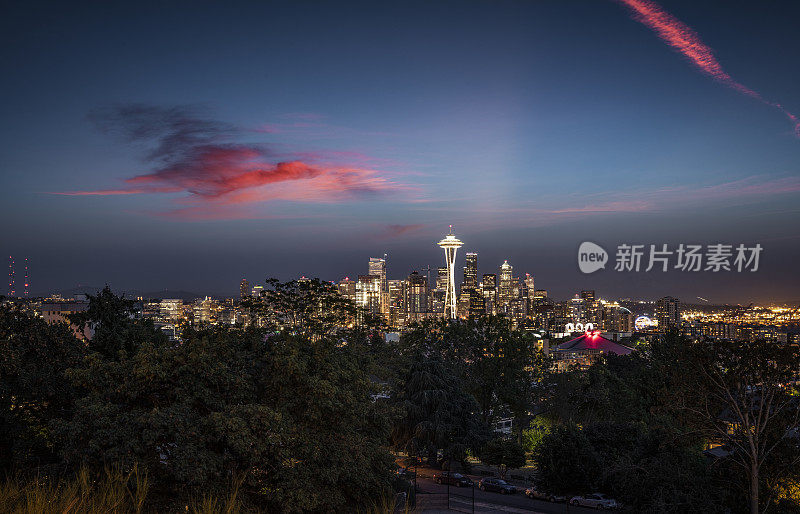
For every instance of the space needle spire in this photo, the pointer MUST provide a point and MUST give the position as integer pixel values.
(450, 244)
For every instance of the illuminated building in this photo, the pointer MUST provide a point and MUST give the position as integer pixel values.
(584, 350)
(577, 309)
(58, 311)
(592, 312)
(244, 288)
(506, 289)
(204, 311)
(347, 288)
(256, 291)
(668, 313)
(368, 293)
(615, 318)
(489, 288)
(397, 303)
(171, 310)
(377, 266)
(470, 271)
(416, 297)
(450, 244)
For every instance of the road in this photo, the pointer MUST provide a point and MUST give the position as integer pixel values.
(433, 497)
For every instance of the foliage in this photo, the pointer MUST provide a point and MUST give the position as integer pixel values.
(308, 307)
(111, 318)
(33, 389)
(751, 405)
(566, 461)
(435, 412)
(503, 453)
(500, 367)
(533, 436)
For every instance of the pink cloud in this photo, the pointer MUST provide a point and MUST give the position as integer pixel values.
(682, 38)
(195, 158)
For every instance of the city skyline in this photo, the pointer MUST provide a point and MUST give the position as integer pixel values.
(198, 145)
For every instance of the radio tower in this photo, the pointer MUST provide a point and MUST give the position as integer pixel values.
(10, 277)
(450, 245)
(26, 277)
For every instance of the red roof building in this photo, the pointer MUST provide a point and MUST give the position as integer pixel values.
(585, 349)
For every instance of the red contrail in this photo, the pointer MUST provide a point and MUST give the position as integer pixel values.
(681, 37)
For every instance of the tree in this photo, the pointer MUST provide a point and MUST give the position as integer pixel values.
(503, 453)
(294, 416)
(500, 367)
(434, 411)
(115, 329)
(308, 307)
(533, 436)
(34, 393)
(751, 404)
(566, 461)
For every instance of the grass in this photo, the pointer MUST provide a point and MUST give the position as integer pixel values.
(113, 491)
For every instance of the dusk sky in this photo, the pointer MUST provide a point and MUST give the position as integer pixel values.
(185, 145)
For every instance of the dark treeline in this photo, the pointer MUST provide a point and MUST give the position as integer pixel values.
(304, 411)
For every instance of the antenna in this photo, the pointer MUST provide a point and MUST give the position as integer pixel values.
(11, 277)
(427, 270)
(26, 277)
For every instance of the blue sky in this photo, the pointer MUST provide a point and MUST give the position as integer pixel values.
(529, 125)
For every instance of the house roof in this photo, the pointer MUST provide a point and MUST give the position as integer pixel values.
(593, 341)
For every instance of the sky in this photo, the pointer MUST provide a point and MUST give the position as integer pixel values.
(186, 145)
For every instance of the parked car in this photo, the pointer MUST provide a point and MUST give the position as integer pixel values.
(536, 494)
(596, 500)
(496, 485)
(406, 473)
(452, 478)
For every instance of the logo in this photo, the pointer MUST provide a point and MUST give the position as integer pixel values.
(591, 257)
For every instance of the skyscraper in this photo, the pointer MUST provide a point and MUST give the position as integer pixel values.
(506, 289)
(244, 288)
(470, 271)
(416, 297)
(397, 303)
(368, 293)
(450, 244)
(489, 287)
(347, 288)
(668, 313)
(377, 267)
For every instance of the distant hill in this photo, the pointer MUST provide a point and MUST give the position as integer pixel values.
(135, 293)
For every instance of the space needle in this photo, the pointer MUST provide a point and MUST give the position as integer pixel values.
(450, 244)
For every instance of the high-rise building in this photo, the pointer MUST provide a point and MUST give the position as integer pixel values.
(397, 303)
(616, 318)
(506, 287)
(489, 288)
(593, 313)
(204, 311)
(377, 266)
(347, 288)
(668, 313)
(416, 297)
(368, 293)
(577, 309)
(450, 244)
(470, 271)
(244, 288)
(441, 278)
(171, 310)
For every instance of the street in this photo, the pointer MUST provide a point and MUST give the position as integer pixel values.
(433, 497)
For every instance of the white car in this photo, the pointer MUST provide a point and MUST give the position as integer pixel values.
(596, 500)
